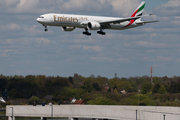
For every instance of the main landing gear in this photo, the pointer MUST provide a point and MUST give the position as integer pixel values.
(89, 34)
(86, 32)
(101, 32)
(45, 28)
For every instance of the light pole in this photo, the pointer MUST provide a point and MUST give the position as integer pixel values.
(51, 112)
(164, 116)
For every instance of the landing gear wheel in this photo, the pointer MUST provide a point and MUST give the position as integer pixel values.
(86, 32)
(45, 28)
(101, 32)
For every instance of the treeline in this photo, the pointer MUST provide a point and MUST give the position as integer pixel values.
(94, 90)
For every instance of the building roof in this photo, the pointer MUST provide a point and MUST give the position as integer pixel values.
(2, 100)
(73, 100)
(105, 87)
(79, 102)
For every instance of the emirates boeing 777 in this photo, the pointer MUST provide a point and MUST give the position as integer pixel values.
(70, 22)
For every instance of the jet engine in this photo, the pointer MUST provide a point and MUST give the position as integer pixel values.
(68, 28)
(93, 26)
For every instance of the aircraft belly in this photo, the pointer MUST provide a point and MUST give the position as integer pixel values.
(64, 24)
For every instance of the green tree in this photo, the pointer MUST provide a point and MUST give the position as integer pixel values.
(156, 80)
(88, 87)
(156, 88)
(145, 88)
(96, 87)
(115, 87)
(124, 85)
(113, 82)
(178, 86)
(30, 78)
(40, 80)
(134, 87)
(15, 94)
(173, 87)
(139, 97)
(115, 90)
(102, 101)
(34, 98)
(162, 90)
(114, 96)
(88, 84)
(147, 102)
(119, 84)
(3, 83)
(61, 82)
(72, 92)
(71, 80)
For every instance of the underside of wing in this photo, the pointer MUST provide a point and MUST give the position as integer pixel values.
(119, 20)
(141, 22)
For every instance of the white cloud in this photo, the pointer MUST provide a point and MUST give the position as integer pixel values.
(8, 50)
(115, 7)
(178, 60)
(110, 59)
(93, 48)
(104, 59)
(158, 59)
(170, 8)
(157, 45)
(11, 2)
(123, 60)
(10, 27)
(172, 3)
(75, 46)
(27, 5)
(43, 41)
(150, 44)
(176, 22)
(124, 7)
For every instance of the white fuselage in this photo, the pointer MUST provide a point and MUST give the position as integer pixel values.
(77, 21)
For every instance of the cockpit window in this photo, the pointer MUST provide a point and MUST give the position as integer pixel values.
(41, 17)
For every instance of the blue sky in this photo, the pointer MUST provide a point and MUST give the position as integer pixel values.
(26, 49)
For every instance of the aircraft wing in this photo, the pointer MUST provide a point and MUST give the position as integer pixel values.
(119, 20)
(141, 22)
(124, 19)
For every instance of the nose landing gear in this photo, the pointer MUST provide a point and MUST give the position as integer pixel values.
(45, 28)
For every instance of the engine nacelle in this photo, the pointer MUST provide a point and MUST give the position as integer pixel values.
(68, 28)
(93, 26)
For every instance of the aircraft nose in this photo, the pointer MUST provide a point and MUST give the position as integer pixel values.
(38, 20)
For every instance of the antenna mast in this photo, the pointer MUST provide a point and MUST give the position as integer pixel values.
(151, 75)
